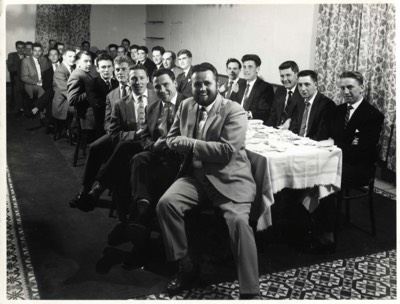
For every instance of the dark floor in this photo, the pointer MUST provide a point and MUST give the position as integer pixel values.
(69, 249)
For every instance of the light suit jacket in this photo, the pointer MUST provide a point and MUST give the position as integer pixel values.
(221, 148)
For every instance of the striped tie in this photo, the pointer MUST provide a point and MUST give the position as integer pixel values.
(347, 117)
(141, 114)
(304, 119)
(246, 93)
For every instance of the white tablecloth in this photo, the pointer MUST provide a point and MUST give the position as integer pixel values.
(300, 166)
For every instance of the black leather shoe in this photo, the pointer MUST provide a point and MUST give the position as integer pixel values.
(118, 235)
(30, 115)
(182, 280)
(83, 201)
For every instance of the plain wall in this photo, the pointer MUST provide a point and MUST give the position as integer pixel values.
(20, 25)
(214, 33)
(112, 23)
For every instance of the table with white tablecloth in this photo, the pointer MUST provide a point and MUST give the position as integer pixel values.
(280, 159)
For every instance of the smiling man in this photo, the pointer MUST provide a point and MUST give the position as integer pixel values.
(209, 131)
(231, 87)
(255, 95)
(184, 79)
(14, 62)
(169, 59)
(311, 119)
(286, 97)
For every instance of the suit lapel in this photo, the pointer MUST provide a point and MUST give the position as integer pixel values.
(155, 114)
(250, 99)
(313, 111)
(212, 115)
(192, 118)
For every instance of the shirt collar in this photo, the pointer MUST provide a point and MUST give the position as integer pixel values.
(173, 100)
(293, 89)
(356, 104)
(209, 107)
(137, 96)
(109, 80)
(311, 100)
(252, 82)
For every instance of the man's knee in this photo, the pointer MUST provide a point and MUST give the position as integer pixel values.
(163, 205)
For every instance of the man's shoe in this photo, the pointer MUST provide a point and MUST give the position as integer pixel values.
(249, 296)
(83, 201)
(118, 235)
(182, 280)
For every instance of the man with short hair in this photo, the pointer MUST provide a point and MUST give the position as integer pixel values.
(210, 131)
(233, 68)
(184, 79)
(60, 107)
(32, 69)
(255, 95)
(286, 97)
(121, 51)
(60, 47)
(169, 59)
(311, 119)
(126, 43)
(99, 89)
(52, 44)
(133, 51)
(14, 62)
(85, 46)
(28, 48)
(112, 50)
(145, 61)
(157, 53)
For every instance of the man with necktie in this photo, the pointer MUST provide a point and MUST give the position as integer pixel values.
(152, 171)
(233, 68)
(99, 89)
(169, 59)
(286, 97)
(255, 95)
(313, 109)
(14, 62)
(209, 131)
(143, 53)
(184, 79)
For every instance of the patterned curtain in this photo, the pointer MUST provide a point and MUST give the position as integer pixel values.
(69, 24)
(361, 37)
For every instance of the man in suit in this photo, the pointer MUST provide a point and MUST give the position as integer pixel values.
(255, 95)
(14, 62)
(28, 48)
(152, 171)
(157, 53)
(60, 107)
(116, 148)
(121, 51)
(311, 119)
(286, 97)
(233, 68)
(60, 47)
(143, 59)
(99, 89)
(112, 50)
(52, 44)
(121, 68)
(169, 58)
(210, 131)
(355, 127)
(32, 69)
(133, 51)
(85, 46)
(126, 43)
(184, 79)
(77, 85)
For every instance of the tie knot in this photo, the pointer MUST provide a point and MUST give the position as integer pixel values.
(307, 103)
(290, 93)
(349, 107)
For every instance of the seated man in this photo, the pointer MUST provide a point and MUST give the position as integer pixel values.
(184, 79)
(143, 53)
(286, 98)
(311, 119)
(169, 59)
(210, 131)
(153, 170)
(122, 142)
(14, 62)
(255, 95)
(157, 53)
(233, 68)
(355, 127)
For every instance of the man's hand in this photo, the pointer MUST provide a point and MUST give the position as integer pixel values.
(285, 125)
(235, 88)
(39, 83)
(222, 89)
(138, 133)
(160, 145)
(182, 144)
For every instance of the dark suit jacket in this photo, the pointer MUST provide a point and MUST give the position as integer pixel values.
(366, 125)
(111, 98)
(60, 103)
(150, 131)
(123, 124)
(97, 91)
(184, 84)
(221, 148)
(233, 94)
(259, 101)
(279, 104)
(317, 128)
(151, 67)
(14, 65)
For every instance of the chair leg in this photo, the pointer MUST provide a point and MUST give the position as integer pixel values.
(371, 209)
(339, 197)
(347, 206)
(77, 147)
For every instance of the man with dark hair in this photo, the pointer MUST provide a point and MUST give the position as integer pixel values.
(311, 119)
(184, 79)
(255, 95)
(286, 97)
(85, 46)
(112, 50)
(126, 43)
(133, 51)
(233, 68)
(210, 131)
(14, 62)
(52, 43)
(28, 48)
(99, 89)
(121, 51)
(169, 58)
(32, 69)
(145, 61)
(152, 171)
(157, 53)
(60, 47)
